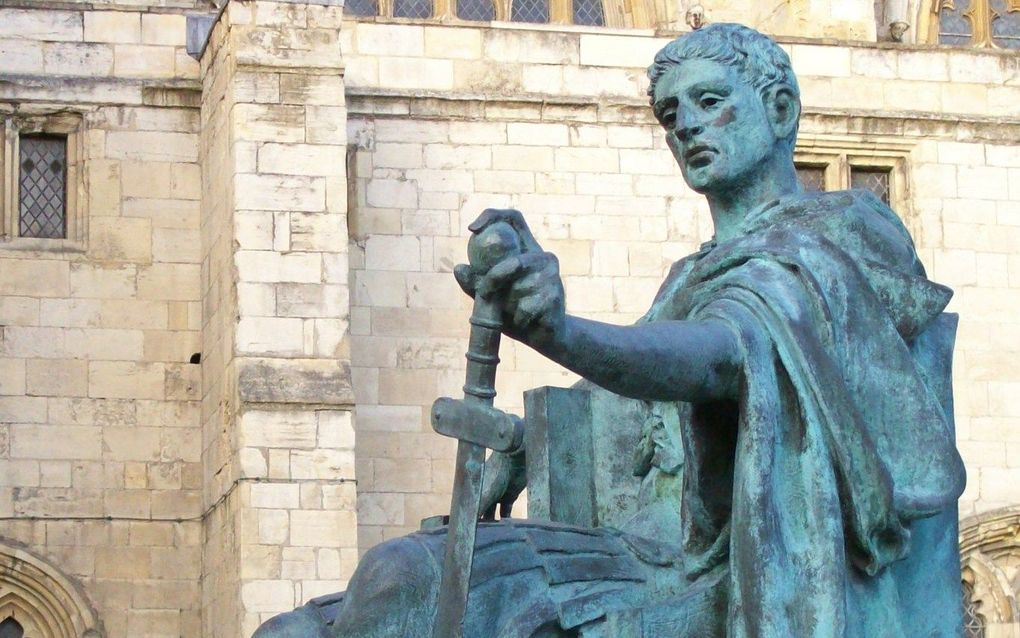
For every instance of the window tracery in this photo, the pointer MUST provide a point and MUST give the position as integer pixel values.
(973, 621)
(979, 23)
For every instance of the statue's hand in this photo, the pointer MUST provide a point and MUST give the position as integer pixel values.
(527, 285)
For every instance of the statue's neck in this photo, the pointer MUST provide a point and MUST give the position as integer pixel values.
(772, 180)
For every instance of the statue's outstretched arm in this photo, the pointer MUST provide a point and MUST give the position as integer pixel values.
(662, 360)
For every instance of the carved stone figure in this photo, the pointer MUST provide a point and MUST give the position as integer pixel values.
(800, 474)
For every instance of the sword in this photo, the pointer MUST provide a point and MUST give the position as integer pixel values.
(485, 249)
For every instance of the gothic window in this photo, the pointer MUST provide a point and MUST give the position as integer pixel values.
(981, 23)
(10, 628)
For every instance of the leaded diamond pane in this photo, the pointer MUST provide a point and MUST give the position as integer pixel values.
(412, 8)
(954, 27)
(529, 11)
(10, 628)
(973, 622)
(361, 7)
(483, 10)
(1005, 25)
(812, 178)
(875, 180)
(589, 12)
(42, 183)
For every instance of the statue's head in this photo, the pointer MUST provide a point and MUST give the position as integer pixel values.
(729, 101)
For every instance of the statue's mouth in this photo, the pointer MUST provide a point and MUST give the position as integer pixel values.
(698, 155)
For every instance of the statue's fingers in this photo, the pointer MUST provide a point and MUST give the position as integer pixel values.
(500, 276)
(526, 286)
(511, 216)
(466, 278)
(509, 270)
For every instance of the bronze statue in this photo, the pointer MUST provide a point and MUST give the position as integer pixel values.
(804, 479)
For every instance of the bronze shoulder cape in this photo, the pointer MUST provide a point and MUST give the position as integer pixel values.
(811, 484)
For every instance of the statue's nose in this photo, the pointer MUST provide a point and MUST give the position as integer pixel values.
(687, 130)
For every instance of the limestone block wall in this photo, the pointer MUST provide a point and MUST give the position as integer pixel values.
(277, 404)
(452, 120)
(838, 19)
(100, 456)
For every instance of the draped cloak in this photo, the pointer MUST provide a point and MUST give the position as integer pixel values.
(820, 503)
(809, 485)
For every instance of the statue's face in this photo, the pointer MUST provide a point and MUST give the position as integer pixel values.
(716, 124)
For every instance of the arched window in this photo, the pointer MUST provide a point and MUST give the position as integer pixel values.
(37, 601)
(11, 628)
(980, 23)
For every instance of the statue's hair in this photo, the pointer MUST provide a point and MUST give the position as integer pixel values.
(761, 62)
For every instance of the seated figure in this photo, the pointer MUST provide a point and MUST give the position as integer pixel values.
(805, 354)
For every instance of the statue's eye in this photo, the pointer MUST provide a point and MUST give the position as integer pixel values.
(669, 118)
(709, 101)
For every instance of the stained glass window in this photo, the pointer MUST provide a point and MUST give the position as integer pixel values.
(973, 622)
(483, 10)
(589, 12)
(1006, 24)
(812, 178)
(981, 23)
(529, 11)
(954, 26)
(10, 628)
(42, 186)
(875, 180)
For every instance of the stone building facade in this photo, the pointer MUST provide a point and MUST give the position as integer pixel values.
(215, 371)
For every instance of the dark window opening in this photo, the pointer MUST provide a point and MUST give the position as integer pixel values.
(875, 180)
(42, 184)
(812, 178)
(10, 628)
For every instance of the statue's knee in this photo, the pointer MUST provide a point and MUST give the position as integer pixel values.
(401, 564)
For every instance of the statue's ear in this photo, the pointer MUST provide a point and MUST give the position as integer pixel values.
(783, 108)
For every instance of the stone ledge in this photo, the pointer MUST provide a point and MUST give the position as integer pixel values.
(99, 91)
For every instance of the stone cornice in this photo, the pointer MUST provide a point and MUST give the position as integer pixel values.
(461, 106)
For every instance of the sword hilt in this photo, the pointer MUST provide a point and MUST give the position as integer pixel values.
(492, 244)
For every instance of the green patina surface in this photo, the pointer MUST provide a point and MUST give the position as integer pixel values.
(769, 452)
